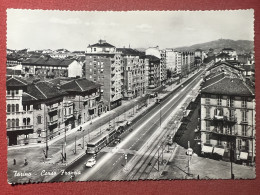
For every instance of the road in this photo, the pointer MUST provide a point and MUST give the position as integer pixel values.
(111, 160)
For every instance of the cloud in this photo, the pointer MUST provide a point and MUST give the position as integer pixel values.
(65, 21)
(110, 24)
(189, 29)
(144, 28)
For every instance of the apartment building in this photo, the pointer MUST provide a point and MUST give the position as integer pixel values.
(46, 66)
(153, 72)
(104, 65)
(135, 68)
(227, 115)
(34, 111)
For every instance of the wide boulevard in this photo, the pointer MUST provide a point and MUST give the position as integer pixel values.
(112, 160)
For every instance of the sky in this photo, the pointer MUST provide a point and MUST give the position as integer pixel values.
(75, 30)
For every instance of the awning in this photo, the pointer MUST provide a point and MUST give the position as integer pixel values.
(243, 155)
(207, 149)
(219, 151)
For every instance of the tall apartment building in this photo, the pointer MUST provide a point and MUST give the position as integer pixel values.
(161, 55)
(135, 68)
(104, 65)
(178, 62)
(227, 115)
(153, 72)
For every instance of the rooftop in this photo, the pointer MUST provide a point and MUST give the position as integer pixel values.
(15, 81)
(222, 55)
(79, 85)
(47, 60)
(227, 86)
(101, 43)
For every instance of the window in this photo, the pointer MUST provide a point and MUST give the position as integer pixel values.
(28, 120)
(13, 108)
(207, 138)
(239, 144)
(39, 119)
(8, 108)
(207, 101)
(244, 116)
(8, 123)
(231, 102)
(37, 106)
(70, 111)
(39, 132)
(17, 122)
(207, 112)
(8, 92)
(244, 103)
(244, 130)
(207, 125)
(17, 107)
(219, 142)
(26, 136)
(13, 122)
(219, 103)
(16, 92)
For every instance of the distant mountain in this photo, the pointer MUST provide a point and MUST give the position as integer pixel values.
(241, 46)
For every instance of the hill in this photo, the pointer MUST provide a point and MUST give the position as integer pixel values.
(241, 46)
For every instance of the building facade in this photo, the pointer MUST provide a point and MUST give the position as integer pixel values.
(47, 66)
(227, 115)
(104, 65)
(135, 69)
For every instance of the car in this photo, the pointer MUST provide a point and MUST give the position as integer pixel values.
(91, 162)
(117, 141)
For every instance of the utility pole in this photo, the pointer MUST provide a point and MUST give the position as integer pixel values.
(46, 154)
(231, 159)
(158, 159)
(75, 144)
(65, 144)
(160, 114)
(188, 159)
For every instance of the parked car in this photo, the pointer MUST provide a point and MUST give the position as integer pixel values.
(91, 162)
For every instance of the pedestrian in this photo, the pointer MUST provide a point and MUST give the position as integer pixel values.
(14, 162)
(198, 176)
(25, 162)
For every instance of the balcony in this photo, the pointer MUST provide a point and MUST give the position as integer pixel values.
(224, 132)
(53, 122)
(53, 108)
(92, 106)
(19, 128)
(231, 120)
(68, 116)
(68, 104)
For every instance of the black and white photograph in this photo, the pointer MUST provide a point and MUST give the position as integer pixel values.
(127, 96)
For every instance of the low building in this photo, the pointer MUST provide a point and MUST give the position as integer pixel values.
(85, 97)
(222, 57)
(34, 111)
(227, 115)
(49, 67)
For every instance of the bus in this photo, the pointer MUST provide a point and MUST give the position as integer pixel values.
(100, 142)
